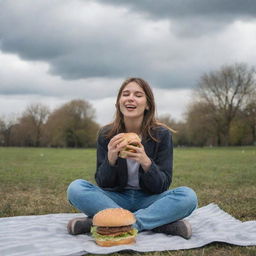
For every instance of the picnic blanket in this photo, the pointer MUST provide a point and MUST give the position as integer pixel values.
(47, 235)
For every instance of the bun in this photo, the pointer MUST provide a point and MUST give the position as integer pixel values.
(130, 138)
(129, 240)
(113, 217)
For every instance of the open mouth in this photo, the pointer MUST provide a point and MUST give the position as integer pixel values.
(130, 107)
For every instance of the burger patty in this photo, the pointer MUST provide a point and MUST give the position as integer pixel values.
(133, 144)
(113, 230)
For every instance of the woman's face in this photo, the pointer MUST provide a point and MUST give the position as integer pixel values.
(133, 101)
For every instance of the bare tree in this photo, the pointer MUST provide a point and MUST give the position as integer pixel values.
(6, 127)
(33, 118)
(250, 115)
(226, 91)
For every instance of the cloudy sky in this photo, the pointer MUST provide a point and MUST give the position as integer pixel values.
(52, 51)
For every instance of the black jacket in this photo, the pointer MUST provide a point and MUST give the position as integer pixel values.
(156, 180)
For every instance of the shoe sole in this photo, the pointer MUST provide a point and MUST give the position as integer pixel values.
(185, 230)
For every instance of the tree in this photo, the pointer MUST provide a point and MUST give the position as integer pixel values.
(72, 125)
(6, 130)
(240, 133)
(30, 127)
(202, 127)
(179, 135)
(226, 91)
(250, 117)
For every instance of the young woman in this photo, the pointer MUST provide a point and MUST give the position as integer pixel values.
(140, 182)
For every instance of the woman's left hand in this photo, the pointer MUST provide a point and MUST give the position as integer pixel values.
(139, 155)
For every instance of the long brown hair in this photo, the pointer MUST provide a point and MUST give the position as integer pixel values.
(149, 120)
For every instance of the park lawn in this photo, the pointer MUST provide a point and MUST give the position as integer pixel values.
(34, 181)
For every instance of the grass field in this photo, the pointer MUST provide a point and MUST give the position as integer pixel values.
(34, 181)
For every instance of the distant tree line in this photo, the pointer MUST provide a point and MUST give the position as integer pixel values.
(222, 112)
(71, 125)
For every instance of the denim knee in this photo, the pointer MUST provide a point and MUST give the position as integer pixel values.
(75, 188)
(190, 197)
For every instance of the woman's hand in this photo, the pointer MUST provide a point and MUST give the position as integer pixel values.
(114, 146)
(140, 156)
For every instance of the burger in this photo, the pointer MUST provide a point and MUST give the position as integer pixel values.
(130, 138)
(113, 226)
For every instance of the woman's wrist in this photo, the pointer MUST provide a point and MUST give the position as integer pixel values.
(112, 160)
(146, 164)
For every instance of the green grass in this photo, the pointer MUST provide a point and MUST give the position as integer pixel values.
(34, 181)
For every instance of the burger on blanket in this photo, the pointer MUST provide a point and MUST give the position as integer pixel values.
(113, 226)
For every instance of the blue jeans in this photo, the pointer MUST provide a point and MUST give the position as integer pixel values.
(150, 210)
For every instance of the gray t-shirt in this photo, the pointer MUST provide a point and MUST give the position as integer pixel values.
(133, 174)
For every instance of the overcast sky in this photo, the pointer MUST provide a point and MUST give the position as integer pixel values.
(53, 51)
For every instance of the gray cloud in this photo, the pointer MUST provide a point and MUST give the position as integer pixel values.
(75, 47)
(192, 18)
(177, 9)
(89, 40)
